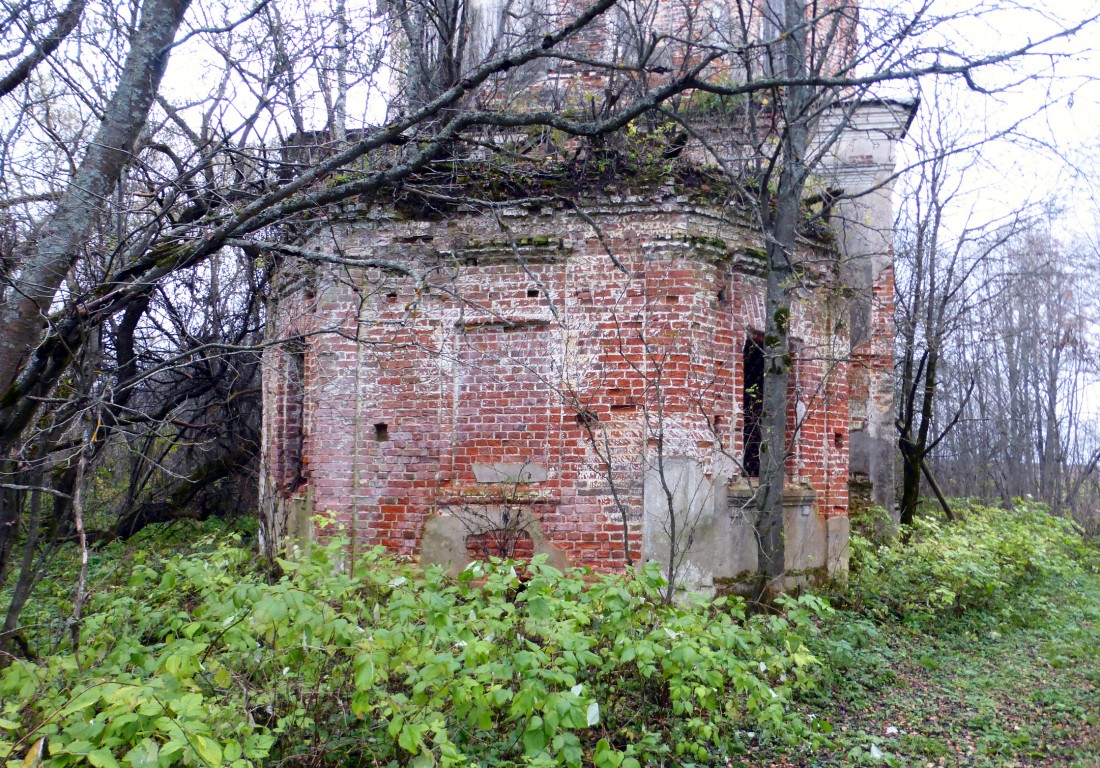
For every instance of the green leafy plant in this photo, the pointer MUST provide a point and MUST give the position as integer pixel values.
(196, 660)
(980, 562)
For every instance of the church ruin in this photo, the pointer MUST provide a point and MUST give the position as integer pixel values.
(566, 360)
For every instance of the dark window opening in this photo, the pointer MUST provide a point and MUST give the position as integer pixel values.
(722, 296)
(753, 366)
(381, 432)
(532, 293)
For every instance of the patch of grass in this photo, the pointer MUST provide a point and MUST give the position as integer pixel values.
(1014, 682)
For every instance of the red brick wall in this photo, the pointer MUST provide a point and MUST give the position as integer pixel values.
(871, 380)
(528, 345)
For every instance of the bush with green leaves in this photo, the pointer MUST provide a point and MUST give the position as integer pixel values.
(196, 660)
(981, 562)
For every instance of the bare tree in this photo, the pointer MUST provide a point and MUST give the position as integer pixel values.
(945, 260)
(1024, 431)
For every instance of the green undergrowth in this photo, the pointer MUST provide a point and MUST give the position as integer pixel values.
(195, 659)
(988, 561)
(974, 643)
(970, 643)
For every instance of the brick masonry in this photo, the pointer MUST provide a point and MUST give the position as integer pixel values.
(533, 368)
(538, 361)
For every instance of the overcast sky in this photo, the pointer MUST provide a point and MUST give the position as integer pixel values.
(1050, 101)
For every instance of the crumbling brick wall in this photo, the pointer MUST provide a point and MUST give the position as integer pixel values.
(725, 40)
(539, 366)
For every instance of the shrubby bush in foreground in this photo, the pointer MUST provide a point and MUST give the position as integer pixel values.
(982, 562)
(197, 661)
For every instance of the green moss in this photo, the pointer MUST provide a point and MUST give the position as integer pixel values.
(537, 241)
(169, 258)
(782, 318)
(740, 584)
(704, 103)
(702, 240)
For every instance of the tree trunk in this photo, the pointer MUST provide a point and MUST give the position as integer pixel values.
(11, 501)
(914, 448)
(781, 229)
(910, 478)
(28, 572)
(70, 226)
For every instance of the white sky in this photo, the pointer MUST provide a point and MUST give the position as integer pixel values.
(1053, 102)
(1053, 153)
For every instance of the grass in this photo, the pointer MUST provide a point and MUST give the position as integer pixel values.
(1017, 688)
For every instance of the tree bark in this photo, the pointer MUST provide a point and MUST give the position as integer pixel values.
(48, 260)
(11, 502)
(915, 448)
(28, 573)
(935, 486)
(780, 229)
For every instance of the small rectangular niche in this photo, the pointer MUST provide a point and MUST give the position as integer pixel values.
(381, 432)
(532, 293)
(586, 418)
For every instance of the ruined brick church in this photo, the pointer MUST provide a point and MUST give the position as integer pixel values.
(569, 362)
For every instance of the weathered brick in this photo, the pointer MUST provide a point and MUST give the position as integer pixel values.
(513, 384)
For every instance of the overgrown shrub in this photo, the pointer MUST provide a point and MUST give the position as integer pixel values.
(195, 660)
(981, 562)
